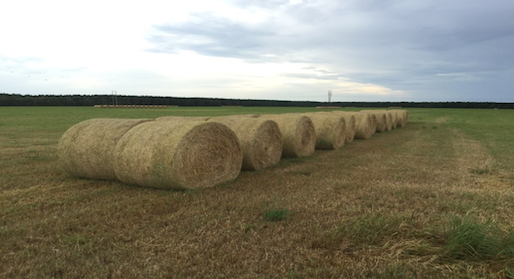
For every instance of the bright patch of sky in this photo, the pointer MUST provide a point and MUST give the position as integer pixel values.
(371, 50)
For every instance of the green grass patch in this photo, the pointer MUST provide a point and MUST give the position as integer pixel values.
(275, 214)
(480, 171)
(470, 239)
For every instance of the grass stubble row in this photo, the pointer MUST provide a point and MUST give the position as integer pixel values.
(198, 152)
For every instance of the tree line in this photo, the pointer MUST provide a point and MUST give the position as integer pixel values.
(91, 100)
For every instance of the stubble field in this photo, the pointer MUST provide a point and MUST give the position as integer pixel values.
(433, 199)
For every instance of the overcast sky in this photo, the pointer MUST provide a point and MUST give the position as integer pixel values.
(362, 50)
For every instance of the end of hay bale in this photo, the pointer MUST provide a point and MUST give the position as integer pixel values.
(87, 148)
(364, 127)
(298, 134)
(178, 155)
(330, 130)
(261, 139)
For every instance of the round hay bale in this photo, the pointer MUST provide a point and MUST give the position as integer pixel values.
(394, 119)
(374, 123)
(87, 148)
(182, 118)
(389, 120)
(401, 117)
(298, 134)
(178, 155)
(349, 120)
(381, 119)
(330, 130)
(260, 139)
(364, 126)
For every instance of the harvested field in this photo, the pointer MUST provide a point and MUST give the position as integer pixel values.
(393, 206)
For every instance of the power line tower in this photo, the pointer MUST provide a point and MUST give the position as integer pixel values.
(329, 96)
(114, 98)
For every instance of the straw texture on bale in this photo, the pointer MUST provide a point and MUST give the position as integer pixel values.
(374, 123)
(260, 139)
(394, 119)
(401, 117)
(405, 116)
(364, 126)
(381, 119)
(349, 120)
(178, 155)
(182, 118)
(389, 120)
(87, 148)
(330, 130)
(298, 134)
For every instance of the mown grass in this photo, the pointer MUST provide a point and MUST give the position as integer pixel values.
(434, 199)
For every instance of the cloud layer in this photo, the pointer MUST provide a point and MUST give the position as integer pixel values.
(369, 50)
(432, 49)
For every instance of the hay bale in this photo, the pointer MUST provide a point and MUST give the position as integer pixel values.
(182, 118)
(381, 119)
(389, 120)
(178, 155)
(260, 139)
(374, 123)
(87, 148)
(298, 134)
(401, 117)
(349, 120)
(330, 130)
(394, 119)
(364, 126)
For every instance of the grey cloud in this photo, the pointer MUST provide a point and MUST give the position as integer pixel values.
(417, 46)
(314, 76)
(214, 36)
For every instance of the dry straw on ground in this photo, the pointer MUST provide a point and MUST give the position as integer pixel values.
(330, 130)
(261, 140)
(87, 148)
(349, 120)
(298, 134)
(364, 126)
(381, 119)
(178, 155)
